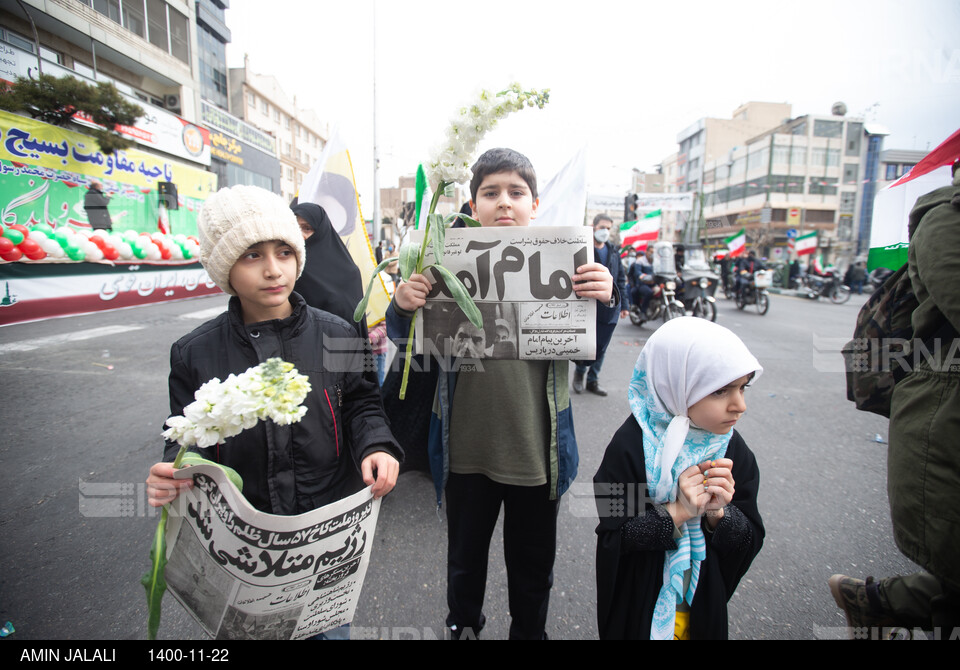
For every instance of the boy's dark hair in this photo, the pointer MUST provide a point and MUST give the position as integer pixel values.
(601, 217)
(502, 160)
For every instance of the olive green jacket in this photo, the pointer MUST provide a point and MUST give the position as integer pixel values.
(923, 480)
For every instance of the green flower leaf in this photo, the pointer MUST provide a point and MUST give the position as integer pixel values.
(153, 581)
(193, 458)
(409, 255)
(362, 305)
(461, 295)
(470, 221)
(437, 235)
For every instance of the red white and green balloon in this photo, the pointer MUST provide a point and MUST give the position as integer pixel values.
(43, 242)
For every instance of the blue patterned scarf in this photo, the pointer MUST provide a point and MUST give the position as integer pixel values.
(682, 362)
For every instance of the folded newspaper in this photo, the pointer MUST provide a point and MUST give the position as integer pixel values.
(520, 279)
(247, 575)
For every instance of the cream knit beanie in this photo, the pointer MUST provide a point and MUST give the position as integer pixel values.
(233, 219)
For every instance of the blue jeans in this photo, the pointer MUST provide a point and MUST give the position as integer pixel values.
(592, 368)
(381, 360)
(338, 633)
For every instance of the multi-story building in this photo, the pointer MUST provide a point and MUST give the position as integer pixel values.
(709, 139)
(398, 204)
(259, 100)
(212, 39)
(812, 173)
(894, 163)
(147, 50)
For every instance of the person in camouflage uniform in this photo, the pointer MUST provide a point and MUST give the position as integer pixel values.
(924, 453)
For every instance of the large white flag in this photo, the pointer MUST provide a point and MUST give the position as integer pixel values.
(563, 201)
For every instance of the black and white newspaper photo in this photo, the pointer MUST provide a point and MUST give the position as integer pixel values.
(244, 574)
(520, 280)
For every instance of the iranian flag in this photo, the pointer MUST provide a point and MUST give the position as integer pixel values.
(638, 233)
(736, 243)
(806, 244)
(891, 208)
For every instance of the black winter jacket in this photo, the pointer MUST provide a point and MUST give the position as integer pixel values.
(298, 468)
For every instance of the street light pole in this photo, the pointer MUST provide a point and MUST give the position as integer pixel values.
(377, 233)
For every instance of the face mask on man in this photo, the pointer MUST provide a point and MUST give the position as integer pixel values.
(601, 235)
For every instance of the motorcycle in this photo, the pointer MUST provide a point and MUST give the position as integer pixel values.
(753, 290)
(698, 297)
(663, 305)
(828, 286)
(699, 284)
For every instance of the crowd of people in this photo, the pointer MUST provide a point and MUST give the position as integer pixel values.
(504, 437)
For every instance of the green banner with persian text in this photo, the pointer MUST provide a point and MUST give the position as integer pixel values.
(45, 172)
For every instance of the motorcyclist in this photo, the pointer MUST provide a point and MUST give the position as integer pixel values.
(747, 266)
(641, 279)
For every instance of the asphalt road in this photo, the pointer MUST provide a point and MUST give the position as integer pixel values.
(84, 399)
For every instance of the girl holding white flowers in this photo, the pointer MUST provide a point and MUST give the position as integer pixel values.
(252, 248)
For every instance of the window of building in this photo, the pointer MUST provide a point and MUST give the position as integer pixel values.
(22, 42)
(276, 115)
(823, 186)
(109, 8)
(251, 99)
(905, 168)
(850, 171)
(157, 24)
(17, 40)
(758, 159)
(287, 122)
(287, 149)
(854, 133)
(891, 172)
(823, 128)
(134, 17)
(81, 68)
(265, 107)
(848, 201)
(781, 155)
(179, 35)
(823, 156)
(819, 215)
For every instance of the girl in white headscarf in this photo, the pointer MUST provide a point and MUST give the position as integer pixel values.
(677, 488)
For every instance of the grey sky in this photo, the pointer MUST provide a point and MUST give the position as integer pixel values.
(625, 77)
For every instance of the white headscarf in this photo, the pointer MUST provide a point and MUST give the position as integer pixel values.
(684, 361)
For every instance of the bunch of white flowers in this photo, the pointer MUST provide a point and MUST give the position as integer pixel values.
(274, 389)
(450, 163)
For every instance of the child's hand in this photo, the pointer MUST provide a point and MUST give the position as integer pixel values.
(718, 480)
(380, 469)
(411, 295)
(691, 496)
(162, 488)
(597, 282)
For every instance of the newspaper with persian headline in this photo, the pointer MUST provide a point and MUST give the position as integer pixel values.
(244, 574)
(521, 281)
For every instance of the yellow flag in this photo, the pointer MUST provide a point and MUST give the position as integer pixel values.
(331, 184)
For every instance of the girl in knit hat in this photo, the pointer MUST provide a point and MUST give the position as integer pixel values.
(677, 489)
